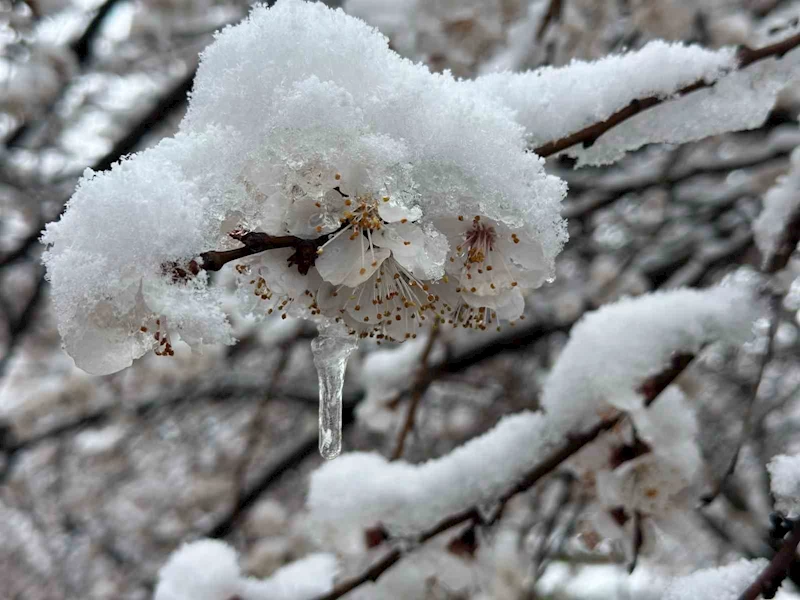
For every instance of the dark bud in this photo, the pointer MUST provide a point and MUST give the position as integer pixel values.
(375, 536)
(779, 526)
(465, 545)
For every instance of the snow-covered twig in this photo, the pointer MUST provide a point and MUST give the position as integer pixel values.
(588, 135)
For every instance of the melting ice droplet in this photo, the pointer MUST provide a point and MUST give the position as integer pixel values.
(330, 358)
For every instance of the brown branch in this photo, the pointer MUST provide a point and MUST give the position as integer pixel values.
(553, 14)
(773, 575)
(82, 46)
(423, 381)
(650, 390)
(610, 193)
(255, 242)
(589, 135)
(786, 245)
(240, 475)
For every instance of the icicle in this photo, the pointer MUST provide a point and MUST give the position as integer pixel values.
(331, 351)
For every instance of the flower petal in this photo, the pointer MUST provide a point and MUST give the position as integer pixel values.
(349, 261)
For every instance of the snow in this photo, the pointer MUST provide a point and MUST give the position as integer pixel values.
(785, 483)
(722, 583)
(204, 570)
(740, 101)
(361, 490)
(781, 203)
(554, 102)
(106, 254)
(641, 334)
(209, 570)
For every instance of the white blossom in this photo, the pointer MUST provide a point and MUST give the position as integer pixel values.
(303, 123)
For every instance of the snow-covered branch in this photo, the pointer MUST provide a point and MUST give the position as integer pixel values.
(474, 482)
(209, 570)
(692, 83)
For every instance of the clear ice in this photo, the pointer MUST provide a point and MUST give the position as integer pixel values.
(331, 351)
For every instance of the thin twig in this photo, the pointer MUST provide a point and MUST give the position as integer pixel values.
(553, 14)
(82, 46)
(566, 484)
(255, 242)
(24, 321)
(786, 245)
(240, 475)
(421, 385)
(747, 421)
(589, 135)
(569, 528)
(302, 450)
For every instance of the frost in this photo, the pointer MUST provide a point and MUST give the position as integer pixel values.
(361, 490)
(641, 335)
(209, 570)
(331, 352)
(553, 102)
(785, 483)
(722, 583)
(781, 203)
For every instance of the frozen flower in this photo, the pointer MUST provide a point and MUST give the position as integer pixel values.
(493, 264)
(304, 126)
(113, 257)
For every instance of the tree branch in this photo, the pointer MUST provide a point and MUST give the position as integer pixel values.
(421, 385)
(773, 575)
(553, 14)
(255, 242)
(251, 436)
(589, 135)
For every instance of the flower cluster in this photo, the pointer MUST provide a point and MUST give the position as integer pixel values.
(417, 190)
